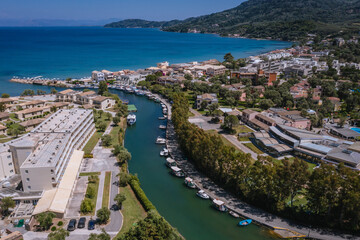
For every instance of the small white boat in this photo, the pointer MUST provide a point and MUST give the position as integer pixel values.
(162, 127)
(162, 118)
(177, 172)
(189, 182)
(219, 205)
(160, 140)
(234, 214)
(170, 162)
(202, 194)
(131, 119)
(164, 152)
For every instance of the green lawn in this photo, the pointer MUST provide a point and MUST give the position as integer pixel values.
(95, 137)
(89, 174)
(13, 117)
(132, 210)
(106, 199)
(244, 139)
(243, 129)
(310, 165)
(93, 200)
(115, 136)
(253, 148)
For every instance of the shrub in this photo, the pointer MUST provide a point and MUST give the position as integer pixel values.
(53, 228)
(86, 206)
(60, 223)
(88, 155)
(90, 192)
(140, 195)
(103, 214)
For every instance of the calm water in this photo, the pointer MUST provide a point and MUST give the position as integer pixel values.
(61, 52)
(75, 52)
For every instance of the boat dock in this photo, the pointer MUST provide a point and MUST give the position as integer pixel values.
(284, 228)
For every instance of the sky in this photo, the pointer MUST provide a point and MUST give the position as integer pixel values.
(108, 9)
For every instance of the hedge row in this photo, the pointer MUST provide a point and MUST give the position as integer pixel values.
(140, 195)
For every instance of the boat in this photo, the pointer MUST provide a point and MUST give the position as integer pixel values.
(245, 222)
(131, 119)
(170, 162)
(202, 194)
(157, 100)
(219, 205)
(177, 172)
(234, 214)
(164, 152)
(162, 127)
(160, 140)
(189, 182)
(162, 118)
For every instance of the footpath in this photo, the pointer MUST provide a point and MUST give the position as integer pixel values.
(283, 227)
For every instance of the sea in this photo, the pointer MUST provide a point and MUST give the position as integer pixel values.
(62, 52)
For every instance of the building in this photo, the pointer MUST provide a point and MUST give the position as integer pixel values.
(41, 156)
(32, 104)
(2, 130)
(4, 116)
(31, 124)
(164, 80)
(67, 95)
(97, 76)
(207, 97)
(31, 112)
(83, 98)
(102, 103)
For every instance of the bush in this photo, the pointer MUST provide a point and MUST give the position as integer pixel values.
(86, 206)
(90, 193)
(103, 215)
(60, 223)
(89, 155)
(53, 228)
(140, 195)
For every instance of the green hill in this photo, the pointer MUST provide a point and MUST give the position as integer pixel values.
(139, 23)
(284, 19)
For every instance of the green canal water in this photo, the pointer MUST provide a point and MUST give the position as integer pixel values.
(193, 217)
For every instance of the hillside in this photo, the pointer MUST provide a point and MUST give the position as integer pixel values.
(286, 19)
(139, 23)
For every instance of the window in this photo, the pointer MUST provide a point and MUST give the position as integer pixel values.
(53, 179)
(52, 171)
(29, 187)
(10, 164)
(9, 156)
(27, 179)
(11, 171)
(26, 171)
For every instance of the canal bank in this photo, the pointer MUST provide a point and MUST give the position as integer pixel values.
(192, 216)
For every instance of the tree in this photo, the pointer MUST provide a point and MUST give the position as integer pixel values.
(124, 156)
(230, 122)
(28, 92)
(86, 206)
(103, 215)
(102, 236)
(5, 95)
(116, 120)
(119, 199)
(108, 116)
(102, 127)
(59, 234)
(68, 80)
(266, 104)
(2, 107)
(5, 204)
(53, 109)
(106, 140)
(45, 219)
(213, 107)
(188, 77)
(342, 121)
(90, 192)
(228, 57)
(103, 88)
(53, 91)
(203, 105)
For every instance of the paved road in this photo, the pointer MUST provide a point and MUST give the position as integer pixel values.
(239, 145)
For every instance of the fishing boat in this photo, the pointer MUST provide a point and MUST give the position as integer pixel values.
(131, 119)
(170, 162)
(160, 140)
(164, 152)
(234, 214)
(245, 222)
(219, 205)
(202, 194)
(162, 127)
(177, 172)
(189, 182)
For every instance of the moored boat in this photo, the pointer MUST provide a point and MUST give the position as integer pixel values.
(234, 214)
(164, 152)
(162, 127)
(160, 140)
(177, 172)
(170, 162)
(190, 182)
(202, 194)
(131, 119)
(162, 118)
(219, 205)
(245, 222)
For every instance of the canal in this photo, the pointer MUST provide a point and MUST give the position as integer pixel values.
(193, 217)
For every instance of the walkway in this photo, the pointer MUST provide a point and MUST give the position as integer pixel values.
(239, 145)
(288, 227)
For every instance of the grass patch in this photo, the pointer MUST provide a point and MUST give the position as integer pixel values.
(310, 165)
(4, 140)
(106, 199)
(114, 134)
(94, 185)
(13, 117)
(132, 210)
(253, 148)
(3, 136)
(243, 129)
(95, 137)
(244, 139)
(84, 174)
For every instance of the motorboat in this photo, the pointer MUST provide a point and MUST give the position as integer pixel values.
(177, 172)
(162, 118)
(160, 140)
(170, 162)
(190, 182)
(245, 222)
(131, 119)
(164, 152)
(234, 214)
(162, 127)
(219, 205)
(202, 194)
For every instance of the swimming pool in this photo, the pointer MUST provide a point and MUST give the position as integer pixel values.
(356, 129)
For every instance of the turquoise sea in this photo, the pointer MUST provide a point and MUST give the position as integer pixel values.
(61, 52)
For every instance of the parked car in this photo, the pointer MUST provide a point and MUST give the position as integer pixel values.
(72, 225)
(82, 222)
(91, 224)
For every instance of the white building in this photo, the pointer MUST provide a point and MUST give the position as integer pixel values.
(97, 76)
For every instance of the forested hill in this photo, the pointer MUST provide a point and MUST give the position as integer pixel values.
(285, 19)
(139, 23)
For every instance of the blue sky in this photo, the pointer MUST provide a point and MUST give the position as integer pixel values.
(106, 9)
